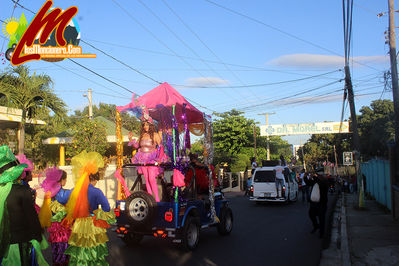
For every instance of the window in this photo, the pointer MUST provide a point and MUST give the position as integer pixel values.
(265, 176)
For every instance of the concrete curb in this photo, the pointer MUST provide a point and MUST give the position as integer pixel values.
(338, 252)
(345, 255)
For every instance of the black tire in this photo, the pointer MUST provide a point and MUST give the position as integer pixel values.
(141, 209)
(226, 221)
(132, 239)
(191, 233)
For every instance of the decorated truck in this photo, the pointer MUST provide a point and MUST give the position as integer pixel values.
(180, 209)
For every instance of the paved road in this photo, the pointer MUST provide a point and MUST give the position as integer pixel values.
(267, 234)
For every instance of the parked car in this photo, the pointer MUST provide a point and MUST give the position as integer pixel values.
(263, 186)
(177, 220)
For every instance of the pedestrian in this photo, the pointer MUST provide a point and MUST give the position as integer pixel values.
(253, 165)
(20, 231)
(304, 188)
(279, 181)
(53, 212)
(88, 212)
(318, 208)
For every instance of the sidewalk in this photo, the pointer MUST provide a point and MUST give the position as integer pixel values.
(362, 237)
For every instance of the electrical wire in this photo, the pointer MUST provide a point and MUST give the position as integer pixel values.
(288, 97)
(203, 43)
(279, 30)
(119, 61)
(160, 41)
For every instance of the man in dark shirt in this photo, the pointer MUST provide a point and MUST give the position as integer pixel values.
(20, 230)
(317, 210)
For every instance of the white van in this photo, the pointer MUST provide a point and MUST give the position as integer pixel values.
(263, 185)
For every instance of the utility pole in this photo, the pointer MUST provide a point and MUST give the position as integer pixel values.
(336, 162)
(255, 141)
(303, 156)
(395, 92)
(88, 95)
(394, 68)
(348, 87)
(267, 137)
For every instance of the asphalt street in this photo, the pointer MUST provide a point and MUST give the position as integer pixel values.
(265, 234)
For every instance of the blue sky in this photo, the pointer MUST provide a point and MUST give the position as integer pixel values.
(268, 56)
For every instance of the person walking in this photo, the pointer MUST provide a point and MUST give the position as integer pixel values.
(88, 212)
(318, 203)
(304, 187)
(20, 230)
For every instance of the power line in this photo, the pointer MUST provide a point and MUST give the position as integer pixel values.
(262, 84)
(101, 76)
(279, 30)
(203, 43)
(99, 84)
(158, 39)
(137, 71)
(291, 96)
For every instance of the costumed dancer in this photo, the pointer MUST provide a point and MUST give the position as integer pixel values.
(88, 212)
(149, 151)
(53, 212)
(20, 231)
(27, 176)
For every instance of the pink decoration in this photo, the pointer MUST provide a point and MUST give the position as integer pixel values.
(178, 178)
(22, 159)
(167, 96)
(53, 175)
(120, 178)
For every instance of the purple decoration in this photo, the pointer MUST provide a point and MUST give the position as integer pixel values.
(187, 144)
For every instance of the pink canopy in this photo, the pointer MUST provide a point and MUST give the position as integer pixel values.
(166, 96)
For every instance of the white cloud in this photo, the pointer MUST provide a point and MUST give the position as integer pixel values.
(319, 61)
(205, 82)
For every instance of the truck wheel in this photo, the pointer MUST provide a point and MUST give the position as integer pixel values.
(191, 233)
(141, 209)
(131, 239)
(226, 221)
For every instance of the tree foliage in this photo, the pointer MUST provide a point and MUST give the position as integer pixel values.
(129, 121)
(232, 132)
(376, 128)
(88, 135)
(33, 94)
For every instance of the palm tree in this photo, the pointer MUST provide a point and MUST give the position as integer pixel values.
(32, 94)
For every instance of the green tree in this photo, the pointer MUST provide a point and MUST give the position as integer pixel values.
(376, 128)
(32, 94)
(129, 121)
(320, 148)
(88, 135)
(232, 132)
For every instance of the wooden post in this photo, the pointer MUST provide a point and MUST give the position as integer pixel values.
(119, 153)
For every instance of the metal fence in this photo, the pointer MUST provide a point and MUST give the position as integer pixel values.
(378, 182)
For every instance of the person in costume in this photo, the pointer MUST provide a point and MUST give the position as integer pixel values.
(53, 212)
(26, 176)
(88, 212)
(149, 151)
(20, 231)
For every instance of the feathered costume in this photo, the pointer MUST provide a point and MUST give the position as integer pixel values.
(87, 243)
(53, 212)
